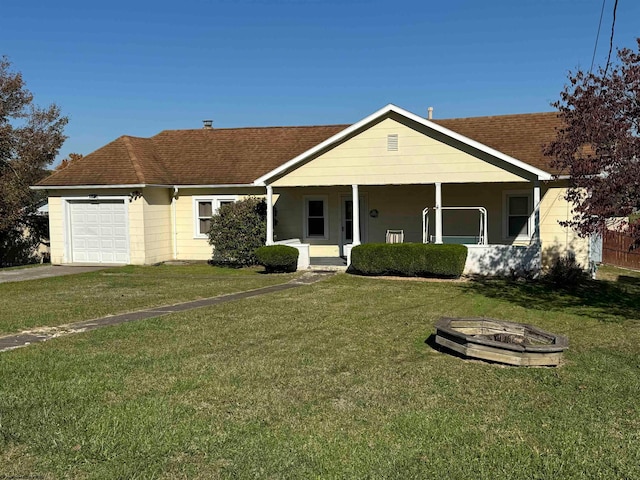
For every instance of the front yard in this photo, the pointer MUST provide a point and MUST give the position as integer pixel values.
(334, 380)
(59, 300)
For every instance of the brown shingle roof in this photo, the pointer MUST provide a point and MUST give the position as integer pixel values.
(240, 155)
(520, 136)
(193, 157)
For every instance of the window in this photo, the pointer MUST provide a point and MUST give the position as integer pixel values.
(205, 212)
(518, 214)
(316, 224)
(204, 208)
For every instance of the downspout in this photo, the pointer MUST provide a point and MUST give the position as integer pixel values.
(174, 197)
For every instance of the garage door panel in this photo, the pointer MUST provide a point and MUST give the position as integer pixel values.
(98, 231)
(108, 258)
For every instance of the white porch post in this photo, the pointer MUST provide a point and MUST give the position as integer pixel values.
(536, 212)
(438, 212)
(269, 215)
(537, 242)
(356, 215)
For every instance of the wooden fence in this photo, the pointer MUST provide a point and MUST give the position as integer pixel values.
(615, 251)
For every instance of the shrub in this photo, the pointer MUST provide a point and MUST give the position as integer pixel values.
(409, 259)
(237, 229)
(566, 272)
(278, 258)
(19, 246)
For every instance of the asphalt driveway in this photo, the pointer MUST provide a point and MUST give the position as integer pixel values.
(44, 271)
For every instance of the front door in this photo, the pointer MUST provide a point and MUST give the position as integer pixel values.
(347, 222)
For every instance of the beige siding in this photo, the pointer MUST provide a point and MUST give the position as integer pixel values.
(422, 157)
(400, 207)
(556, 239)
(290, 218)
(137, 243)
(157, 225)
(56, 232)
(189, 247)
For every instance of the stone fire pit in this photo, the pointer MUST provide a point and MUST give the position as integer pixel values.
(498, 341)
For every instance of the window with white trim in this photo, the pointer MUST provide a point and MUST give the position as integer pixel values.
(518, 215)
(204, 208)
(316, 220)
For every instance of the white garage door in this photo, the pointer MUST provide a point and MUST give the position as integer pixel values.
(98, 231)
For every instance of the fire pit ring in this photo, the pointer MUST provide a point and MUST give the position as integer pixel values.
(499, 341)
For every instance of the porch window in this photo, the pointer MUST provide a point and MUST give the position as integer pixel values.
(518, 214)
(204, 208)
(316, 219)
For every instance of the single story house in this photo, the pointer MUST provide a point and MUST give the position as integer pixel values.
(392, 176)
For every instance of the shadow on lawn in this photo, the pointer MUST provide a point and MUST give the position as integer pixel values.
(627, 280)
(602, 300)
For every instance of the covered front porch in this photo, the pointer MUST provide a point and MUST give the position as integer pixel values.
(394, 176)
(499, 222)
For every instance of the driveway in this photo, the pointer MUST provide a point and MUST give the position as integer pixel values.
(45, 271)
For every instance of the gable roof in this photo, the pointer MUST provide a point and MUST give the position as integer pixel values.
(517, 139)
(244, 156)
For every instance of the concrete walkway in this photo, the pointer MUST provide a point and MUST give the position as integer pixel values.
(43, 334)
(44, 271)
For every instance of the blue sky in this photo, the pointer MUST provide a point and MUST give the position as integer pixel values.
(139, 67)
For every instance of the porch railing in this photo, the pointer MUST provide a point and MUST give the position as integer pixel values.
(480, 239)
(459, 239)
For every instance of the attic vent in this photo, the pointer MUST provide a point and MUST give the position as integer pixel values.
(392, 142)
(207, 124)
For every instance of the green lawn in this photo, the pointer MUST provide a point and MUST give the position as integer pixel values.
(59, 300)
(333, 380)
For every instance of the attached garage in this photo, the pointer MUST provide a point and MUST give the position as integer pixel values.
(97, 231)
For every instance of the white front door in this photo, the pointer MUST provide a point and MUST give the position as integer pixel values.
(347, 221)
(98, 231)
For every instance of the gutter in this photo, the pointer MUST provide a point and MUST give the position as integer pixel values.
(96, 187)
(137, 185)
(230, 185)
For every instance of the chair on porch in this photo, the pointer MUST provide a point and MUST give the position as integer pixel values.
(395, 236)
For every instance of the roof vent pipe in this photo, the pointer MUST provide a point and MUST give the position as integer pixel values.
(206, 124)
(430, 114)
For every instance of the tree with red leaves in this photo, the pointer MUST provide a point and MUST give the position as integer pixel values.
(599, 145)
